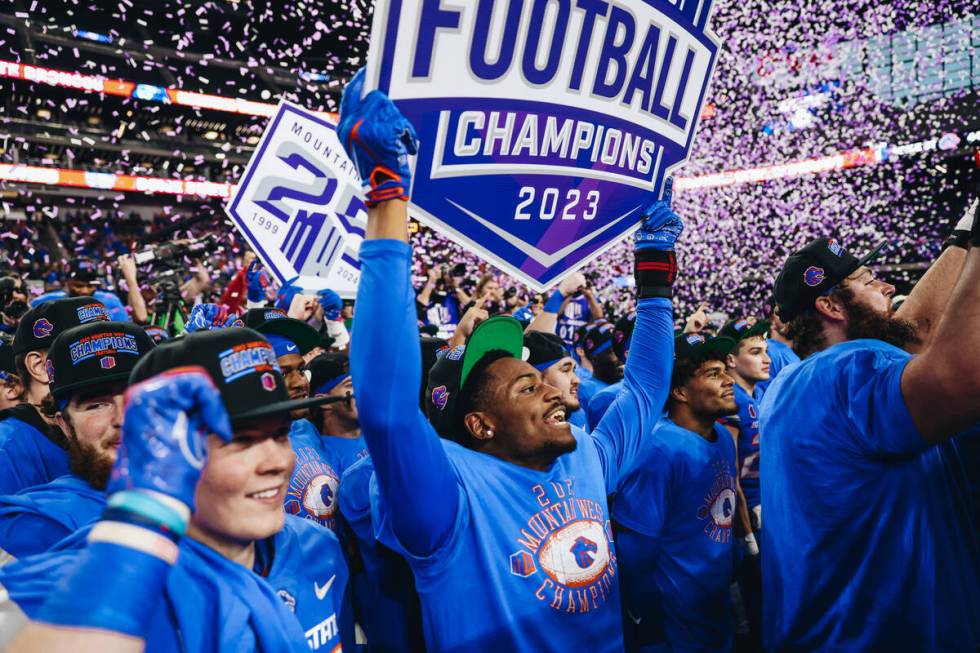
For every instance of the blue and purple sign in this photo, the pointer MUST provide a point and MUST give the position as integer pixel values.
(545, 126)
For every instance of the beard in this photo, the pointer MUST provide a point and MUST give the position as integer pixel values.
(90, 463)
(864, 322)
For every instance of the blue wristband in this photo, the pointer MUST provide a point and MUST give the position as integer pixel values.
(144, 505)
(554, 302)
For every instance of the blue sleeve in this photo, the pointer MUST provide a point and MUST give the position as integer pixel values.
(598, 405)
(640, 402)
(869, 390)
(117, 312)
(642, 500)
(26, 534)
(417, 482)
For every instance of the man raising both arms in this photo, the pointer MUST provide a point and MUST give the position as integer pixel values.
(506, 529)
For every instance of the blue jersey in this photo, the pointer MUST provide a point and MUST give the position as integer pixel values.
(579, 418)
(505, 557)
(117, 312)
(780, 356)
(36, 518)
(588, 388)
(344, 452)
(27, 456)
(576, 315)
(600, 402)
(313, 486)
(385, 601)
(870, 545)
(747, 423)
(214, 604)
(674, 515)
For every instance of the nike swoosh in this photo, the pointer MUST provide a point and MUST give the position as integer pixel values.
(547, 260)
(290, 347)
(636, 620)
(321, 592)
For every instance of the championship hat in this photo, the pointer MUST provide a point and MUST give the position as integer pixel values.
(740, 329)
(255, 316)
(813, 271)
(240, 362)
(597, 339)
(84, 270)
(544, 349)
(450, 373)
(157, 334)
(290, 336)
(39, 326)
(692, 345)
(93, 354)
(327, 371)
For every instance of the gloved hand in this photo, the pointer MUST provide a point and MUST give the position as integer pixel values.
(661, 226)
(284, 298)
(166, 423)
(256, 282)
(205, 317)
(379, 140)
(331, 303)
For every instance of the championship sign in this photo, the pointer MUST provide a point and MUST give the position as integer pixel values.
(299, 204)
(545, 126)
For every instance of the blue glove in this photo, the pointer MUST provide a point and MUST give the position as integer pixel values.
(166, 423)
(331, 303)
(284, 298)
(202, 318)
(378, 139)
(661, 227)
(256, 282)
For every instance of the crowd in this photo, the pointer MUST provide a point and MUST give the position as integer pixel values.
(203, 460)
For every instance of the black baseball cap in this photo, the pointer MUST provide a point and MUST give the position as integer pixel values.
(544, 349)
(597, 339)
(449, 374)
(623, 335)
(94, 354)
(83, 269)
(240, 362)
(740, 329)
(255, 316)
(289, 335)
(690, 345)
(327, 371)
(39, 326)
(814, 271)
(157, 334)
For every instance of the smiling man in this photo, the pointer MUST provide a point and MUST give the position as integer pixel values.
(194, 552)
(503, 520)
(88, 367)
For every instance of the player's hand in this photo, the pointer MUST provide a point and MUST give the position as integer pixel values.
(166, 422)
(661, 227)
(379, 141)
(434, 274)
(697, 320)
(750, 546)
(472, 317)
(205, 317)
(572, 284)
(331, 303)
(127, 266)
(257, 281)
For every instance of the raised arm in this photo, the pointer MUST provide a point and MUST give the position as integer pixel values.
(416, 481)
(127, 265)
(651, 353)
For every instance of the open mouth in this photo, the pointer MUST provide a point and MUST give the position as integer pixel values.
(270, 495)
(555, 416)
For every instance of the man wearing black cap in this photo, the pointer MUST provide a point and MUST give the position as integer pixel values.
(32, 448)
(337, 421)
(602, 400)
(504, 519)
(547, 354)
(89, 368)
(675, 512)
(83, 280)
(607, 368)
(194, 551)
(867, 544)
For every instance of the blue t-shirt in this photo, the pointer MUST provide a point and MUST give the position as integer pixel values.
(117, 312)
(385, 600)
(747, 423)
(867, 547)
(575, 316)
(313, 486)
(36, 518)
(780, 356)
(344, 452)
(600, 402)
(214, 604)
(27, 456)
(588, 388)
(505, 557)
(674, 515)
(578, 418)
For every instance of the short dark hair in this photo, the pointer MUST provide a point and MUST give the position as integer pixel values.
(806, 329)
(474, 393)
(686, 367)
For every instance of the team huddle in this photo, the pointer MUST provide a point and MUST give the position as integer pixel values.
(536, 479)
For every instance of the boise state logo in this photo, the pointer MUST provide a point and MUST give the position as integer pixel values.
(566, 550)
(288, 599)
(813, 276)
(717, 509)
(42, 328)
(440, 397)
(313, 488)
